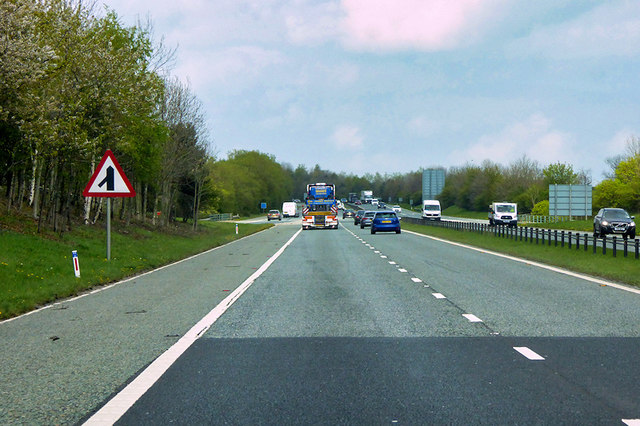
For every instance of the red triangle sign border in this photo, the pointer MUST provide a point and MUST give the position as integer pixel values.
(87, 190)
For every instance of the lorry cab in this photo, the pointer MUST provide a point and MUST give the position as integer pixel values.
(503, 214)
(431, 210)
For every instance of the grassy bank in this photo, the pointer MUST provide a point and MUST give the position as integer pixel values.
(620, 269)
(37, 268)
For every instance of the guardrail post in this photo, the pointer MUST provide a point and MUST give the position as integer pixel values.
(569, 240)
(586, 242)
(531, 237)
(561, 238)
(555, 236)
(536, 235)
(604, 244)
(577, 241)
(625, 247)
(637, 247)
(595, 244)
(615, 246)
(526, 233)
(549, 239)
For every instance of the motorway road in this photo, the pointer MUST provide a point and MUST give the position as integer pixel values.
(344, 327)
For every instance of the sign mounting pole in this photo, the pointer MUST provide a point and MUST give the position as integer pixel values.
(109, 181)
(108, 228)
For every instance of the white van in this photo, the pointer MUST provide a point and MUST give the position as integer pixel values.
(503, 214)
(290, 209)
(431, 209)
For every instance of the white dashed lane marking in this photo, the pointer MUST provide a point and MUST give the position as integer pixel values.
(528, 353)
(438, 295)
(472, 318)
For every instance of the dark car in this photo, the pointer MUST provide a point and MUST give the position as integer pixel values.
(357, 216)
(367, 218)
(614, 221)
(386, 221)
(347, 213)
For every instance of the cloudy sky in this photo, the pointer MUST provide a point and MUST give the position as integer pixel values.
(366, 86)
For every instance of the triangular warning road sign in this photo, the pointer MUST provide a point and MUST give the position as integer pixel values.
(109, 180)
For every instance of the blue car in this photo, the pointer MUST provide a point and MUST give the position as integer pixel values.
(385, 221)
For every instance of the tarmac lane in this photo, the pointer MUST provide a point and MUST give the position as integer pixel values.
(62, 362)
(343, 328)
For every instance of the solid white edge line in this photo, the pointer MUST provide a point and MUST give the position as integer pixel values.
(108, 286)
(631, 422)
(528, 353)
(124, 400)
(532, 263)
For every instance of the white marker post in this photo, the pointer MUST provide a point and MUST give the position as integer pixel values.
(236, 229)
(76, 264)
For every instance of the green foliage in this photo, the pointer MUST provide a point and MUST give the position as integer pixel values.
(541, 208)
(624, 189)
(248, 178)
(561, 174)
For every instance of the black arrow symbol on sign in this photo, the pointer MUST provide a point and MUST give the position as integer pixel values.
(109, 179)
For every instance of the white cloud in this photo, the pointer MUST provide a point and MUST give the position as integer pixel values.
(429, 25)
(611, 29)
(422, 126)
(311, 23)
(534, 137)
(347, 137)
(236, 63)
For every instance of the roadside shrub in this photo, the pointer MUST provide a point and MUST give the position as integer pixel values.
(541, 208)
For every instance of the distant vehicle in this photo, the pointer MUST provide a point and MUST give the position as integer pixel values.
(367, 218)
(382, 205)
(347, 213)
(397, 209)
(274, 215)
(366, 196)
(614, 221)
(357, 202)
(374, 202)
(358, 216)
(386, 221)
(503, 214)
(431, 210)
(290, 209)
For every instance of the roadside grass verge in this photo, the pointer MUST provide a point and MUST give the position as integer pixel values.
(619, 269)
(36, 269)
(456, 211)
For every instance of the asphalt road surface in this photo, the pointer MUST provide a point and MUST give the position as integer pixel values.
(339, 327)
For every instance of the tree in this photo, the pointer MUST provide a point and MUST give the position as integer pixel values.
(561, 174)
